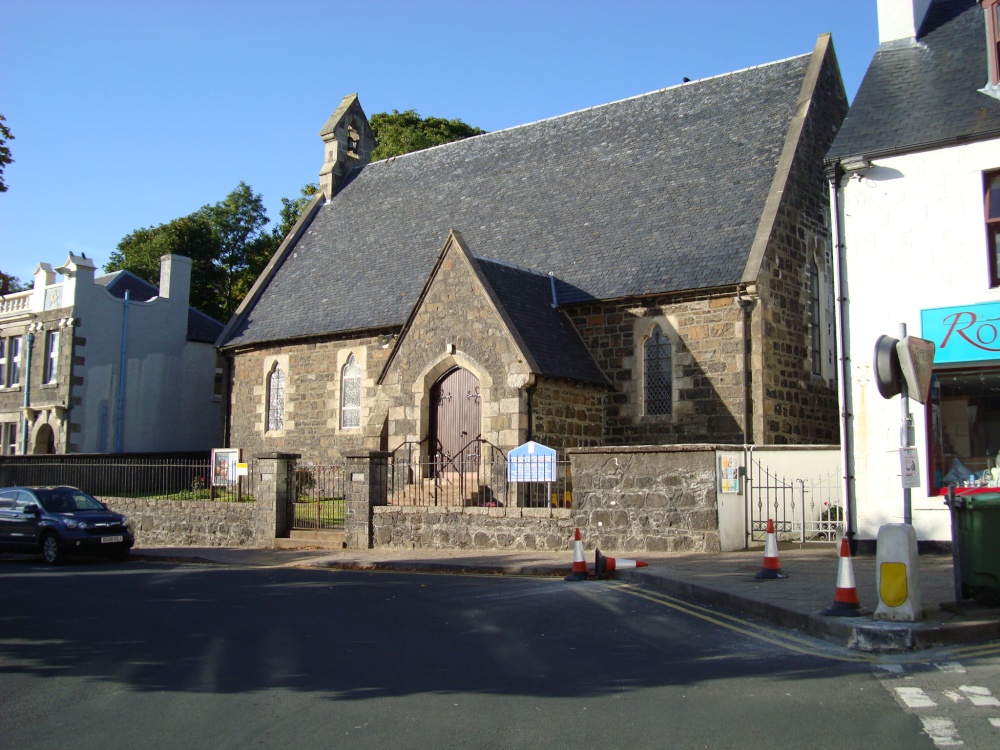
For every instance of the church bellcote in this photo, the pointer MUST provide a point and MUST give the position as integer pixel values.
(347, 144)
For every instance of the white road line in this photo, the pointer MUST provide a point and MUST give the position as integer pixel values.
(979, 696)
(950, 666)
(953, 696)
(914, 697)
(995, 722)
(941, 731)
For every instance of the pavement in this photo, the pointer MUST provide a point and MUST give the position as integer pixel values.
(725, 580)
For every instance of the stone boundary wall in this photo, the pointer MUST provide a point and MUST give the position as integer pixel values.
(415, 527)
(199, 523)
(420, 527)
(192, 523)
(645, 499)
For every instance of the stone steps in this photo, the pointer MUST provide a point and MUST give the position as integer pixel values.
(319, 539)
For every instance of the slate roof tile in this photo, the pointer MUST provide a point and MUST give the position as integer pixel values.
(618, 200)
(924, 95)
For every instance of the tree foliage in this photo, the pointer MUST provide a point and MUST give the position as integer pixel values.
(228, 242)
(5, 157)
(10, 284)
(403, 132)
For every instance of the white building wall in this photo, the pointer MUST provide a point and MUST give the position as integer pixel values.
(169, 381)
(914, 237)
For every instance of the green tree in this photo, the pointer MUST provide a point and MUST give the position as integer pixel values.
(10, 284)
(192, 236)
(228, 242)
(292, 208)
(5, 158)
(403, 132)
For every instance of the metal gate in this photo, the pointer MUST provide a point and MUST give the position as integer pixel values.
(316, 496)
(803, 510)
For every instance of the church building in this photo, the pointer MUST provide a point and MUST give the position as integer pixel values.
(656, 270)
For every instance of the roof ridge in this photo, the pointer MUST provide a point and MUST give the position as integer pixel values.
(635, 97)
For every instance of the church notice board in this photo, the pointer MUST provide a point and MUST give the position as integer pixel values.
(531, 462)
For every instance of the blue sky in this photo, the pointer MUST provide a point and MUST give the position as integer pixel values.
(130, 113)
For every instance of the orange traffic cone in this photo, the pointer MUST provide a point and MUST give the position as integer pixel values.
(605, 567)
(579, 562)
(772, 565)
(845, 599)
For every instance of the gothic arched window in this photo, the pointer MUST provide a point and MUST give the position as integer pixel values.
(658, 368)
(275, 399)
(350, 394)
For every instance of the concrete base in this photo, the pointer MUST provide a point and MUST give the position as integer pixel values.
(897, 574)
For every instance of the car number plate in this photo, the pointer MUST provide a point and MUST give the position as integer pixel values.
(111, 539)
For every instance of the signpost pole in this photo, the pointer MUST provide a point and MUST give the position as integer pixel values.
(904, 437)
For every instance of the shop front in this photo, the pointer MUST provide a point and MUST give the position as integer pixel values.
(963, 411)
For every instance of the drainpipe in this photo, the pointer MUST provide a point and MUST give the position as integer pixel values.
(29, 341)
(835, 173)
(121, 378)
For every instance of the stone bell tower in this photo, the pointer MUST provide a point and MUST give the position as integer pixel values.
(347, 144)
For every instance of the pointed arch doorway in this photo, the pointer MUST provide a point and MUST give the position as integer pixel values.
(455, 422)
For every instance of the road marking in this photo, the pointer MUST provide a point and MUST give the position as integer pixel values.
(914, 697)
(950, 666)
(942, 731)
(995, 722)
(979, 696)
(751, 629)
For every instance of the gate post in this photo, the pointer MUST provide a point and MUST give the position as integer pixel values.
(271, 488)
(366, 486)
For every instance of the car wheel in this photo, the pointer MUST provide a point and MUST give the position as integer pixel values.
(52, 549)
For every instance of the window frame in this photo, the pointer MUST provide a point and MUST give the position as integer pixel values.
(658, 333)
(357, 373)
(14, 350)
(992, 223)
(815, 321)
(274, 411)
(992, 10)
(8, 438)
(50, 368)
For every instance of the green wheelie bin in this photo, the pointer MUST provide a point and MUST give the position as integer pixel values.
(975, 538)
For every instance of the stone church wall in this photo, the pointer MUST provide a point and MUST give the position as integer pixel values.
(706, 335)
(798, 405)
(312, 399)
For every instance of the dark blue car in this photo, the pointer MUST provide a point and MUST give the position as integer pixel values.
(58, 521)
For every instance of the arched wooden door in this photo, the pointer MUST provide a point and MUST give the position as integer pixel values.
(456, 412)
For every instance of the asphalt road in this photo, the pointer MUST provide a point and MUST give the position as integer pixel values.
(146, 655)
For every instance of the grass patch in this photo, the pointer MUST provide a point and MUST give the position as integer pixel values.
(322, 513)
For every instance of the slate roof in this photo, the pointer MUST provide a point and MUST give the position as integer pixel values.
(200, 327)
(657, 193)
(924, 95)
(549, 338)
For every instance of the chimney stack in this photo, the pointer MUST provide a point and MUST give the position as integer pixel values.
(899, 20)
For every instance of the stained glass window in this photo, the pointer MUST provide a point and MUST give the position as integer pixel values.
(276, 399)
(659, 385)
(350, 394)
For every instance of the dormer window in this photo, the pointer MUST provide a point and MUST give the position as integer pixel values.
(992, 8)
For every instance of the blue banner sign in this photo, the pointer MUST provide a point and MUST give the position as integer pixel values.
(531, 462)
(970, 333)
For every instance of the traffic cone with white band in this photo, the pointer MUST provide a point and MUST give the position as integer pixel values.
(579, 561)
(605, 567)
(772, 565)
(845, 599)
